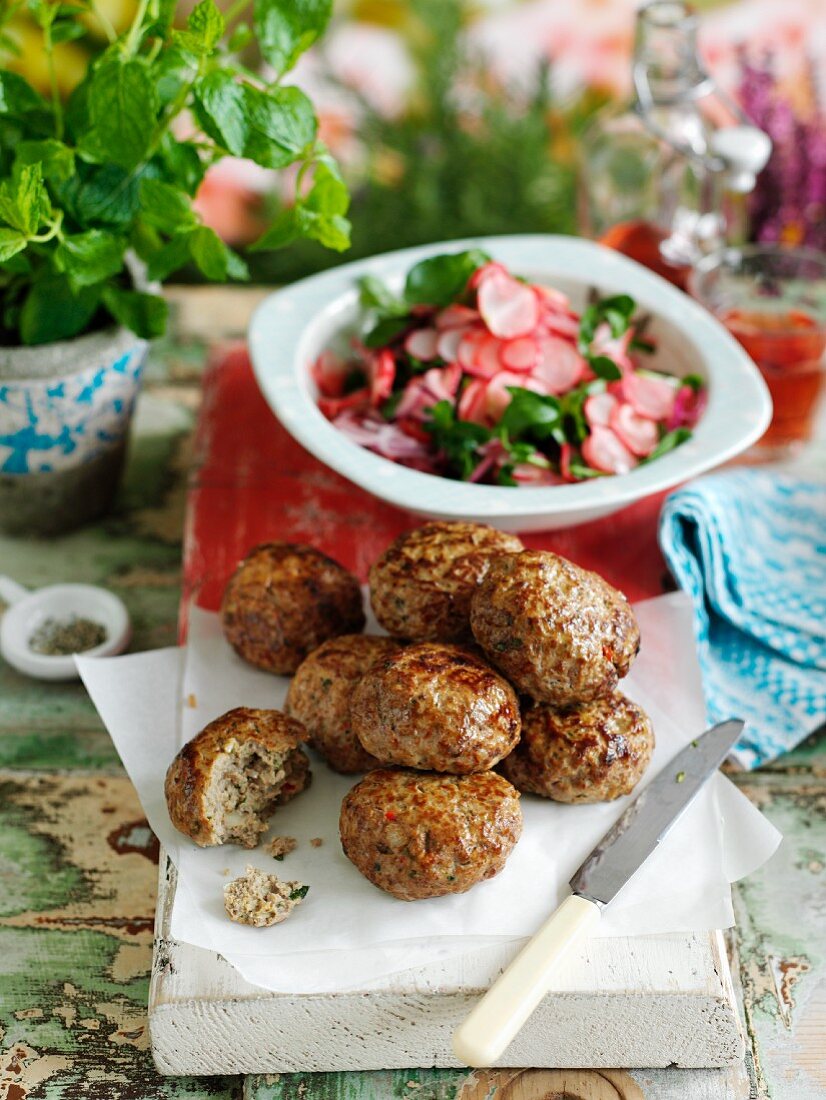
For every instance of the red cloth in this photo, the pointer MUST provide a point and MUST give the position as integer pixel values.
(252, 483)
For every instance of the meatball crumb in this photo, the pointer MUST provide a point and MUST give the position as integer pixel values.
(281, 846)
(316, 842)
(261, 900)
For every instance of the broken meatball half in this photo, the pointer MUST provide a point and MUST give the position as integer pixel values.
(224, 784)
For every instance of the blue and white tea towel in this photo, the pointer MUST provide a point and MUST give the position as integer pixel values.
(749, 547)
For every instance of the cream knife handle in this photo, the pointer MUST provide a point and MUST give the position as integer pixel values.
(499, 1016)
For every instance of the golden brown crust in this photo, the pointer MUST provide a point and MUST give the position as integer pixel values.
(436, 707)
(320, 693)
(284, 600)
(422, 585)
(595, 752)
(561, 634)
(190, 773)
(423, 834)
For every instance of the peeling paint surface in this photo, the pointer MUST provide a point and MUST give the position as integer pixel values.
(78, 863)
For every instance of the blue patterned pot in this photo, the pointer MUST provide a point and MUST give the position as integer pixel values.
(65, 411)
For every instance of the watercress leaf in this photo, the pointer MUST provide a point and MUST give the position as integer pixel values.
(220, 107)
(286, 28)
(24, 201)
(282, 124)
(283, 231)
(166, 207)
(57, 160)
(168, 259)
(439, 280)
(213, 257)
(90, 257)
(582, 472)
(374, 294)
(122, 109)
(17, 96)
(616, 312)
(668, 442)
(639, 344)
(12, 241)
(385, 332)
(529, 412)
(603, 367)
(145, 314)
(694, 381)
(52, 311)
(205, 26)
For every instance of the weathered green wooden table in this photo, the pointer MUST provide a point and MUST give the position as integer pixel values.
(78, 863)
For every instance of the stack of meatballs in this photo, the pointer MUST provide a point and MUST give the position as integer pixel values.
(497, 658)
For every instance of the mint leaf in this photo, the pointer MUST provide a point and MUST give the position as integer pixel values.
(11, 242)
(220, 109)
(283, 231)
(213, 257)
(64, 30)
(52, 311)
(281, 125)
(170, 258)
(204, 28)
(331, 231)
(182, 163)
(145, 314)
(165, 207)
(57, 160)
(17, 97)
(122, 108)
(440, 280)
(90, 257)
(101, 195)
(175, 68)
(529, 412)
(286, 28)
(24, 202)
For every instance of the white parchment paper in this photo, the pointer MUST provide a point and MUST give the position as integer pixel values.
(347, 932)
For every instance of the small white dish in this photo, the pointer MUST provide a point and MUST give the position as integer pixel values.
(27, 611)
(291, 327)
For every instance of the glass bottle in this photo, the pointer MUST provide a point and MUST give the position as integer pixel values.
(664, 181)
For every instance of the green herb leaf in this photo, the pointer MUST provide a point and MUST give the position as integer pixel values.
(286, 28)
(213, 257)
(170, 258)
(11, 242)
(282, 124)
(283, 231)
(122, 107)
(166, 207)
(101, 195)
(52, 311)
(374, 294)
(299, 893)
(694, 381)
(385, 332)
(616, 311)
(145, 314)
(182, 163)
(241, 37)
(17, 97)
(220, 106)
(204, 28)
(603, 367)
(64, 30)
(459, 440)
(57, 160)
(24, 201)
(529, 412)
(668, 442)
(91, 257)
(440, 280)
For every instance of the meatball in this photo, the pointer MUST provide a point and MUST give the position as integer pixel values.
(590, 753)
(284, 600)
(436, 707)
(320, 692)
(560, 634)
(421, 834)
(421, 587)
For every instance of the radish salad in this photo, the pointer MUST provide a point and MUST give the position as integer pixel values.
(473, 373)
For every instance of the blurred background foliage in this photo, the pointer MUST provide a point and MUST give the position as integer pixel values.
(454, 118)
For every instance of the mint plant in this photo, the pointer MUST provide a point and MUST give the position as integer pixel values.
(111, 172)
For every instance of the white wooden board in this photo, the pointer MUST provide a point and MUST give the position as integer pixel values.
(648, 1001)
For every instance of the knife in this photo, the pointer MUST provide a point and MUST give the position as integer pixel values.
(482, 1038)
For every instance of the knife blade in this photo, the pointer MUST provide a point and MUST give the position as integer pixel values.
(500, 1014)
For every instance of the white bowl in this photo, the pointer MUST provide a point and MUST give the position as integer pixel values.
(292, 326)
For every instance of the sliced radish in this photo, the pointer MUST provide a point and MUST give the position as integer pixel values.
(525, 473)
(472, 403)
(330, 372)
(689, 405)
(332, 407)
(553, 297)
(650, 397)
(598, 407)
(382, 371)
(486, 362)
(497, 397)
(447, 346)
(509, 308)
(614, 348)
(560, 365)
(484, 272)
(561, 324)
(566, 453)
(456, 316)
(469, 347)
(520, 355)
(422, 344)
(639, 435)
(605, 451)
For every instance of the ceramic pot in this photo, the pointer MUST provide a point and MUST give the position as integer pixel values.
(65, 411)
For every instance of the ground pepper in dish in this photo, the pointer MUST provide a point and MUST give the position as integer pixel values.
(60, 638)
